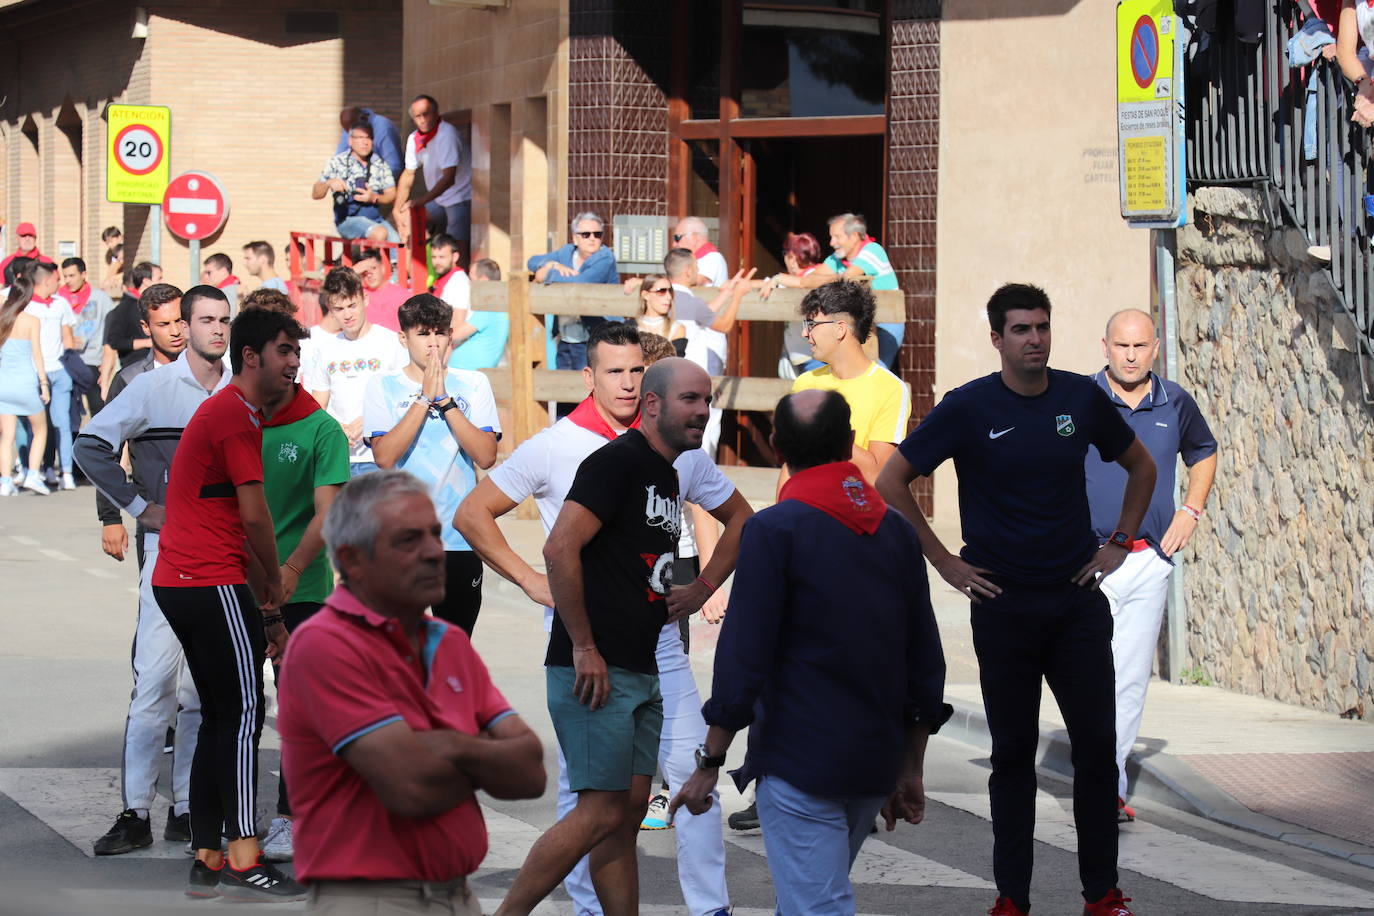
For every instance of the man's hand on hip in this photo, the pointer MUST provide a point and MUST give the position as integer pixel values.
(1105, 562)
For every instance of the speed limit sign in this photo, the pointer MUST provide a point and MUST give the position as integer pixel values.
(139, 159)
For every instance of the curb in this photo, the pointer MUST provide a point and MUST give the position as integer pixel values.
(1163, 779)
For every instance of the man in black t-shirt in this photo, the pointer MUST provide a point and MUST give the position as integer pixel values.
(1031, 566)
(610, 567)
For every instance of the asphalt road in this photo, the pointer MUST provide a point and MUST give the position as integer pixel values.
(66, 619)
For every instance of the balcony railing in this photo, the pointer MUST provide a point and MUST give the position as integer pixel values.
(1248, 122)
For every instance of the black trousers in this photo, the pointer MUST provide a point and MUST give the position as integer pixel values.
(295, 614)
(220, 630)
(1062, 633)
(462, 590)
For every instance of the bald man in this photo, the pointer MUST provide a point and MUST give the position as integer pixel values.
(610, 568)
(1167, 420)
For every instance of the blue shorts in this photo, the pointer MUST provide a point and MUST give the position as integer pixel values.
(606, 747)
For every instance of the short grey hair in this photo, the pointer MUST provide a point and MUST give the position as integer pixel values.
(694, 225)
(585, 215)
(352, 520)
(853, 223)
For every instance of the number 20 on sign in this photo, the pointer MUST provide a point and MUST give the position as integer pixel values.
(139, 157)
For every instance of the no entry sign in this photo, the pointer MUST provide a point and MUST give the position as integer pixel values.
(138, 158)
(194, 206)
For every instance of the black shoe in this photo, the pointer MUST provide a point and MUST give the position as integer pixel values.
(178, 829)
(261, 883)
(204, 880)
(129, 832)
(748, 819)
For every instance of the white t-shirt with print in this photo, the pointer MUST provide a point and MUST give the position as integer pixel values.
(435, 456)
(443, 152)
(343, 367)
(458, 291)
(545, 464)
(52, 316)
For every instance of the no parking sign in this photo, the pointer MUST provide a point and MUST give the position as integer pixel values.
(1149, 112)
(138, 155)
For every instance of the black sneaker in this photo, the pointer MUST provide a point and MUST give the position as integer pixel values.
(260, 883)
(178, 829)
(129, 832)
(748, 819)
(204, 880)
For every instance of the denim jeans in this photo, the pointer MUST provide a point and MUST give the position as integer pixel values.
(60, 416)
(357, 227)
(890, 336)
(359, 468)
(455, 219)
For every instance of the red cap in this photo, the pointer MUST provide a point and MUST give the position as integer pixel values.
(26, 229)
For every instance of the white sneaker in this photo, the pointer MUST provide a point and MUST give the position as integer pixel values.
(276, 846)
(32, 481)
(6, 486)
(68, 482)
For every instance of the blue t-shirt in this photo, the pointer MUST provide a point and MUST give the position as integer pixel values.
(434, 456)
(1022, 499)
(1169, 423)
(483, 350)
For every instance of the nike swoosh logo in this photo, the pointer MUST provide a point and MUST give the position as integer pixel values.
(476, 582)
(993, 435)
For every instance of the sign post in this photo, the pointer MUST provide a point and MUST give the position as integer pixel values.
(195, 207)
(1149, 113)
(138, 159)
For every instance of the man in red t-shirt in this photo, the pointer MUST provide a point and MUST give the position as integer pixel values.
(216, 501)
(389, 720)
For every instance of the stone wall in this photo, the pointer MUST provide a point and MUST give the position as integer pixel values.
(1280, 577)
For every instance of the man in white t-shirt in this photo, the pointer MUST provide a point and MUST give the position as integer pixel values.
(690, 233)
(56, 321)
(342, 365)
(544, 467)
(451, 282)
(436, 147)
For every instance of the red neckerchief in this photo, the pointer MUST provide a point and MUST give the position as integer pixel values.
(440, 282)
(869, 238)
(228, 282)
(130, 291)
(588, 417)
(808, 270)
(78, 299)
(421, 140)
(704, 249)
(841, 492)
(40, 300)
(302, 405)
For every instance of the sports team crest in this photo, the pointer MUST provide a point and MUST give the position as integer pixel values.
(1063, 424)
(289, 451)
(854, 489)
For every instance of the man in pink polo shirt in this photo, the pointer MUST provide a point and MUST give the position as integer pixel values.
(390, 722)
(384, 298)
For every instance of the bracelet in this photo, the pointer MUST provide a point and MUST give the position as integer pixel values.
(588, 649)
(292, 567)
(1195, 513)
(702, 580)
(272, 621)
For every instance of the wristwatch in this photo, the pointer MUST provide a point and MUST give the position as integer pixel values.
(705, 762)
(450, 404)
(1120, 539)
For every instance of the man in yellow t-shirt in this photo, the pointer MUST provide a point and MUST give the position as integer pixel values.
(838, 317)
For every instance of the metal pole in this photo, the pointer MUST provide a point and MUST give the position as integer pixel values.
(1177, 614)
(156, 220)
(195, 261)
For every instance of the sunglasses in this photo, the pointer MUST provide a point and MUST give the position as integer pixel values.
(590, 235)
(660, 292)
(677, 237)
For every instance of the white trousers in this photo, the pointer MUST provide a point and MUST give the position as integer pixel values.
(1136, 592)
(700, 845)
(162, 682)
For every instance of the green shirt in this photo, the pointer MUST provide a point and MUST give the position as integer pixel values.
(297, 458)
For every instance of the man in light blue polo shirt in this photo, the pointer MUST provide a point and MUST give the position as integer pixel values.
(438, 424)
(479, 341)
(1167, 420)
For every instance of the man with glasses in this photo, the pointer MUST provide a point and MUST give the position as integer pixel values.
(838, 318)
(583, 260)
(691, 233)
(360, 184)
(384, 298)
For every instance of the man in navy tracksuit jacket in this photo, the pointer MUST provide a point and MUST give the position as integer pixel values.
(829, 622)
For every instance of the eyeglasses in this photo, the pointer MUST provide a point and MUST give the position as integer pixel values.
(808, 325)
(589, 235)
(661, 292)
(678, 236)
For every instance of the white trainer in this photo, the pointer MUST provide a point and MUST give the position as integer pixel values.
(34, 481)
(68, 482)
(276, 846)
(6, 486)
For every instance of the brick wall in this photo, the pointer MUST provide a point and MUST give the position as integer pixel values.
(913, 160)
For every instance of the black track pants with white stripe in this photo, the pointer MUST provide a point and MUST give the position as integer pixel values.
(220, 629)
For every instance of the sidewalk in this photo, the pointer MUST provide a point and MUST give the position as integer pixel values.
(1289, 773)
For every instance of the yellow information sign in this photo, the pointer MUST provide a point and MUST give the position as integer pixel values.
(138, 153)
(1144, 51)
(1143, 161)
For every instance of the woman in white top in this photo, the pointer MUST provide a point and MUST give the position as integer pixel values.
(1354, 45)
(656, 311)
(23, 387)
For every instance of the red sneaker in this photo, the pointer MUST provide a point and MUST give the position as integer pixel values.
(1111, 904)
(1124, 812)
(1004, 907)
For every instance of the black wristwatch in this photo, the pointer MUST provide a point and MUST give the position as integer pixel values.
(705, 762)
(1120, 539)
(451, 405)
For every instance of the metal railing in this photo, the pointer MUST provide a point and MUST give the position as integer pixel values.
(1248, 122)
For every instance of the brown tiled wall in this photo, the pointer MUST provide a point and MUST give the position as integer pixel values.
(913, 162)
(617, 109)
